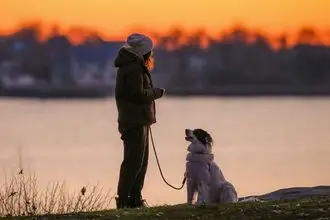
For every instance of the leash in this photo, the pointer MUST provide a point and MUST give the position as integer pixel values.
(160, 169)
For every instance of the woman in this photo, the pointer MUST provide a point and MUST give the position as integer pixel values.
(135, 97)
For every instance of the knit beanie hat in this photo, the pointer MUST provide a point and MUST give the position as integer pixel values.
(139, 43)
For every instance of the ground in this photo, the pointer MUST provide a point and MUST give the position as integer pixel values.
(311, 208)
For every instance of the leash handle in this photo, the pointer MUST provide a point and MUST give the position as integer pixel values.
(184, 180)
(160, 169)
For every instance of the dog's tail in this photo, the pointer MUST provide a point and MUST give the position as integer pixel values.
(228, 193)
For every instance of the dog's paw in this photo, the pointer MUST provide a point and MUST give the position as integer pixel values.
(202, 204)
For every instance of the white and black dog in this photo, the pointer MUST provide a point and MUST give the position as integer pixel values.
(204, 177)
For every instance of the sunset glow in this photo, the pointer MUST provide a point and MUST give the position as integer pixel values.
(116, 18)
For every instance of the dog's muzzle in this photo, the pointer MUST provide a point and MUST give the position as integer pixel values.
(189, 135)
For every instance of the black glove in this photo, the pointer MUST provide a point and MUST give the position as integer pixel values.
(162, 90)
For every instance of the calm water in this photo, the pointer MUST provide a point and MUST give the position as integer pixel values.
(261, 144)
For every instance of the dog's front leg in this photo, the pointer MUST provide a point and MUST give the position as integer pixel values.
(190, 191)
(203, 194)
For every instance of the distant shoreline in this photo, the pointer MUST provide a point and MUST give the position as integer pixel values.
(224, 91)
(248, 90)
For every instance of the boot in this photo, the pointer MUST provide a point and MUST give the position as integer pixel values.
(122, 203)
(138, 202)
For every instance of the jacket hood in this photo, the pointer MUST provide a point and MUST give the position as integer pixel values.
(126, 55)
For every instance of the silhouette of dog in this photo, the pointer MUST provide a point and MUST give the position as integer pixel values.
(204, 177)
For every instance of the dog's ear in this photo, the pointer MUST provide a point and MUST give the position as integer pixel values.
(208, 140)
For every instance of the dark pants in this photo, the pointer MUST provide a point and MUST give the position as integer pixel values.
(134, 166)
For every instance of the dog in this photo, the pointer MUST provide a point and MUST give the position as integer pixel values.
(204, 176)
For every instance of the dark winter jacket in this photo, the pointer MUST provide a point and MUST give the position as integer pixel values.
(134, 91)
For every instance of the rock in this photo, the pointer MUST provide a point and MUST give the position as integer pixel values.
(250, 199)
(291, 193)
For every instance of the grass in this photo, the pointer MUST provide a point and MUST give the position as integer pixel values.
(21, 198)
(311, 208)
(21, 195)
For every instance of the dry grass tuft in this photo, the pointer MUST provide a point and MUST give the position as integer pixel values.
(20, 195)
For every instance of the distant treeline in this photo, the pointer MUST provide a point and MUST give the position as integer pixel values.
(237, 57)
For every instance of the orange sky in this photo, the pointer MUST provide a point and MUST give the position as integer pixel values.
(116, 17)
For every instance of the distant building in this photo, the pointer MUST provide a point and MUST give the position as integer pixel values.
(93, 64)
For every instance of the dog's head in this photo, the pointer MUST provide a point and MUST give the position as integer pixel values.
(199, 137)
